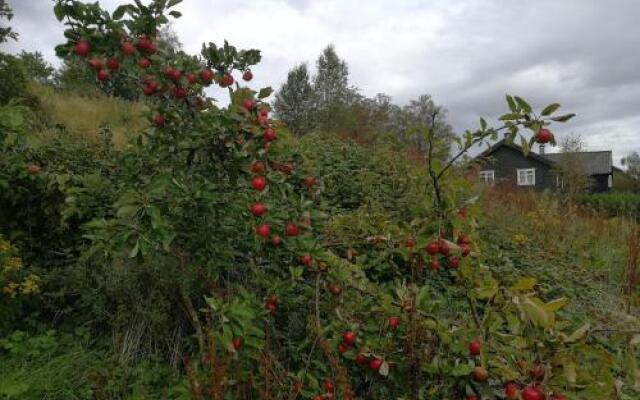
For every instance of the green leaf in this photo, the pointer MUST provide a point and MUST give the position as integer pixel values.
(509, 117)
(557, 304)
(175, 14)
(578, 334)
(483, 124)
(524, 284)
(535, 312)
(523, 104)
(461, 370)
(172, 3)
(58, 10)
(265, 92)
(511, 103)
(119, 12)
(563, 118)
(134, 252)
(550, 109)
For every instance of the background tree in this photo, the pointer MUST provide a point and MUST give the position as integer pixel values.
(5, 31)
(332, 93)
(294, 101)
(573, 180)
(36, 67)
(632, 163)
(423, 113)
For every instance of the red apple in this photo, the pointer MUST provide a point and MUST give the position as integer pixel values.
(257, 167)
(269, 135)
(144, 63)
(226, 80)
(206, 75)
(432, 248)
(306, 259)
(434, 264)
(192, 78)
(375, 364)
(113, 64)
(263, 230)
(480, 374)
(248, 104)
(291, 229)
(465, 249)
(361, 359)
(394, 322)
(511, 391)
(247, 76)
(532, 393)
(158, 119)
(276, 240)
(33, 169)
(328, 386)
(180, 92)
(544, 136)
(258, 209)
(237, 343)
(82, 48)
(103, 75)
(95, 63)
(349, 338)
(259, 183)
(475, 347)
(342, 348)
(127, 48)
(454, 262)
(444, 248)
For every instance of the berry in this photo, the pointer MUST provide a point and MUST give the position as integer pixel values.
(103, 75)
(237, 343)
(434, 264)
(247, 76)
(150, 88)
(432, 248)
(375, 364)
(335, 290)
(259, 183)
(257, 167)
(349, 338)
(127, 48)
(462, 239)
(342, 348)
(172, 73)
(263, 230)
(258, 209)
(192, 78)
(158, 119)
(272, 307)
(82, 48)
(306, 259)
(291, 229)
(113, 64)
(475, 348)
(410, 242)
(276, 240)
(537, 372)
(544, 136)
(269, 135)
(33, 169)
(144, 63)
(361, 359)
(454, 262)
(532, 393)
(394, 322)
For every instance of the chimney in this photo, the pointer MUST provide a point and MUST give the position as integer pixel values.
(541, 149)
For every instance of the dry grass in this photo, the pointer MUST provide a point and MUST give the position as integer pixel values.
(84, 115)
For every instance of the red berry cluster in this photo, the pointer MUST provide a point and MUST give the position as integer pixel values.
(444, 249)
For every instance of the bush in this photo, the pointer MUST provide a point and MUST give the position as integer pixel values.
(613, 204)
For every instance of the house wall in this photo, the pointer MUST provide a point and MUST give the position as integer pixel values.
(505, 162)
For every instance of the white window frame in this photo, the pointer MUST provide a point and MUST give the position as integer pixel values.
(559, 182)
(610, 181)
(523, 176)
(488, 177)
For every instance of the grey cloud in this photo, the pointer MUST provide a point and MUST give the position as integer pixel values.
(467, 53)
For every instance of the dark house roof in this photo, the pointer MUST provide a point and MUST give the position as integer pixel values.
(593, 162)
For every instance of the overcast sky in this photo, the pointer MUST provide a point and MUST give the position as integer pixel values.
(467, 54)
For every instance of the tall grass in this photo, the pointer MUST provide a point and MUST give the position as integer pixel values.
(86, 114)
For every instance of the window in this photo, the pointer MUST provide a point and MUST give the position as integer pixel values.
(527, 177)
(610, 181)
(559, 182)
(487, 177)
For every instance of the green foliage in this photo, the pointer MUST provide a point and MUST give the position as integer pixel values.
(294, 101)
(613, 204)
(13, 81)
(6, 32)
